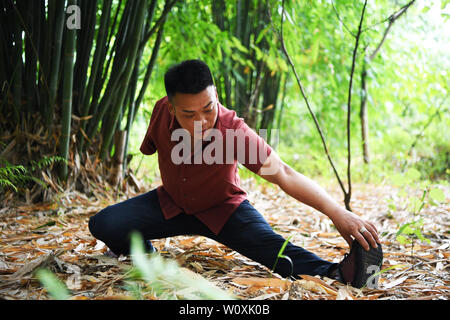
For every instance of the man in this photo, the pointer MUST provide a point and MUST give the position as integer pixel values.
(199, 143)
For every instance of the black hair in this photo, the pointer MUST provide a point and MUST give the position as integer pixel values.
(189, 76)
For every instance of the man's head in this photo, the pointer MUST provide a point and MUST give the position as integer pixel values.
(192, 95)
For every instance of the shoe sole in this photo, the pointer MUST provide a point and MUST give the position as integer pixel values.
(367, 264)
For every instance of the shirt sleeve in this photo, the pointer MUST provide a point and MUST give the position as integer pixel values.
(254, 151)
(148, 146)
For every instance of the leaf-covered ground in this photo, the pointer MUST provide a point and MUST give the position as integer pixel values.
(56, 236)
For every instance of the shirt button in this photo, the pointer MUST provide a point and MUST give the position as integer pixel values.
(184, 179)
(193, 199)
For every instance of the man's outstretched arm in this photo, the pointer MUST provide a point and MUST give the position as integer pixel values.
(310, 193)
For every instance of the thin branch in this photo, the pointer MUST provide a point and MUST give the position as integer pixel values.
(393, 16)
(340, 20)
(425, 127)
(168, 6)
(391, 19)
(283, 46)
(355, 51)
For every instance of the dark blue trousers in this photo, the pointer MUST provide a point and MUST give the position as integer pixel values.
(246, 232)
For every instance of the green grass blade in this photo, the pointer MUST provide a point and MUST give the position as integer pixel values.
(54, 286)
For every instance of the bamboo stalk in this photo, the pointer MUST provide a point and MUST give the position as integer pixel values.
(219, 16)
(45, 55)
(69, 50)
(30, 57)
(135, 104)
(282, 104)
(150, 67)
(84, 46)
(100, 51)
(117, 168)
(18, 64)
(133, 43)
(167, 7)
(10, 58)
(131, 103)
(37, 44)
(116, 72)
(55, 62)
(149, 19)
(270, 97)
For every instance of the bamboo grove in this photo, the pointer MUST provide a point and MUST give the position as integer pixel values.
(254, 94)
(66, 84)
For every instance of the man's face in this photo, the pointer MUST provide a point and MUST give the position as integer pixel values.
(201, 107)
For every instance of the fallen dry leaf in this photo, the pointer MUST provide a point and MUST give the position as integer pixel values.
(344, 294)
(395, 283)
(423, 274)
(258, 282)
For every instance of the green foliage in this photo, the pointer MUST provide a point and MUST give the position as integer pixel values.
(432, 196)
(412, 230)
(409, 231)
(17, 176)
(163, 279)
(406, 85)
(437, 195)
(283, 256)
(12, 173)
(166, 280)
(54, 286)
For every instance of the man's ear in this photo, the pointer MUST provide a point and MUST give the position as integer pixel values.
(171, 108)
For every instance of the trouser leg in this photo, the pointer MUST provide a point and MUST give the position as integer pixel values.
(114, 224)
(248, 233)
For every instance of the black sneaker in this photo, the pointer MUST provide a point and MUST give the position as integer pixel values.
(359, 265)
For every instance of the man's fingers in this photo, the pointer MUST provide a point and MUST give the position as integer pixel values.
(362, 241)
(374, 232)
(367, 235)
(373, 226)
(349, 240)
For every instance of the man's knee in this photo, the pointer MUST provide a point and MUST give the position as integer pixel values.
(97, 225)
(93, 225)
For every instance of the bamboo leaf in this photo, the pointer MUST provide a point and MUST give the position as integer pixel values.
(53, 285)
(169, 280)
(412, 174)
(437, 195)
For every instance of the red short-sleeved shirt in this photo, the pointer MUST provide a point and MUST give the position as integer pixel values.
(211, 192)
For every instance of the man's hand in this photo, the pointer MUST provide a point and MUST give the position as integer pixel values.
(349, 225)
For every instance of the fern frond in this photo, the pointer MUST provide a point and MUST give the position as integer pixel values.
(14, 176)
(5, 183)
(46, 162)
